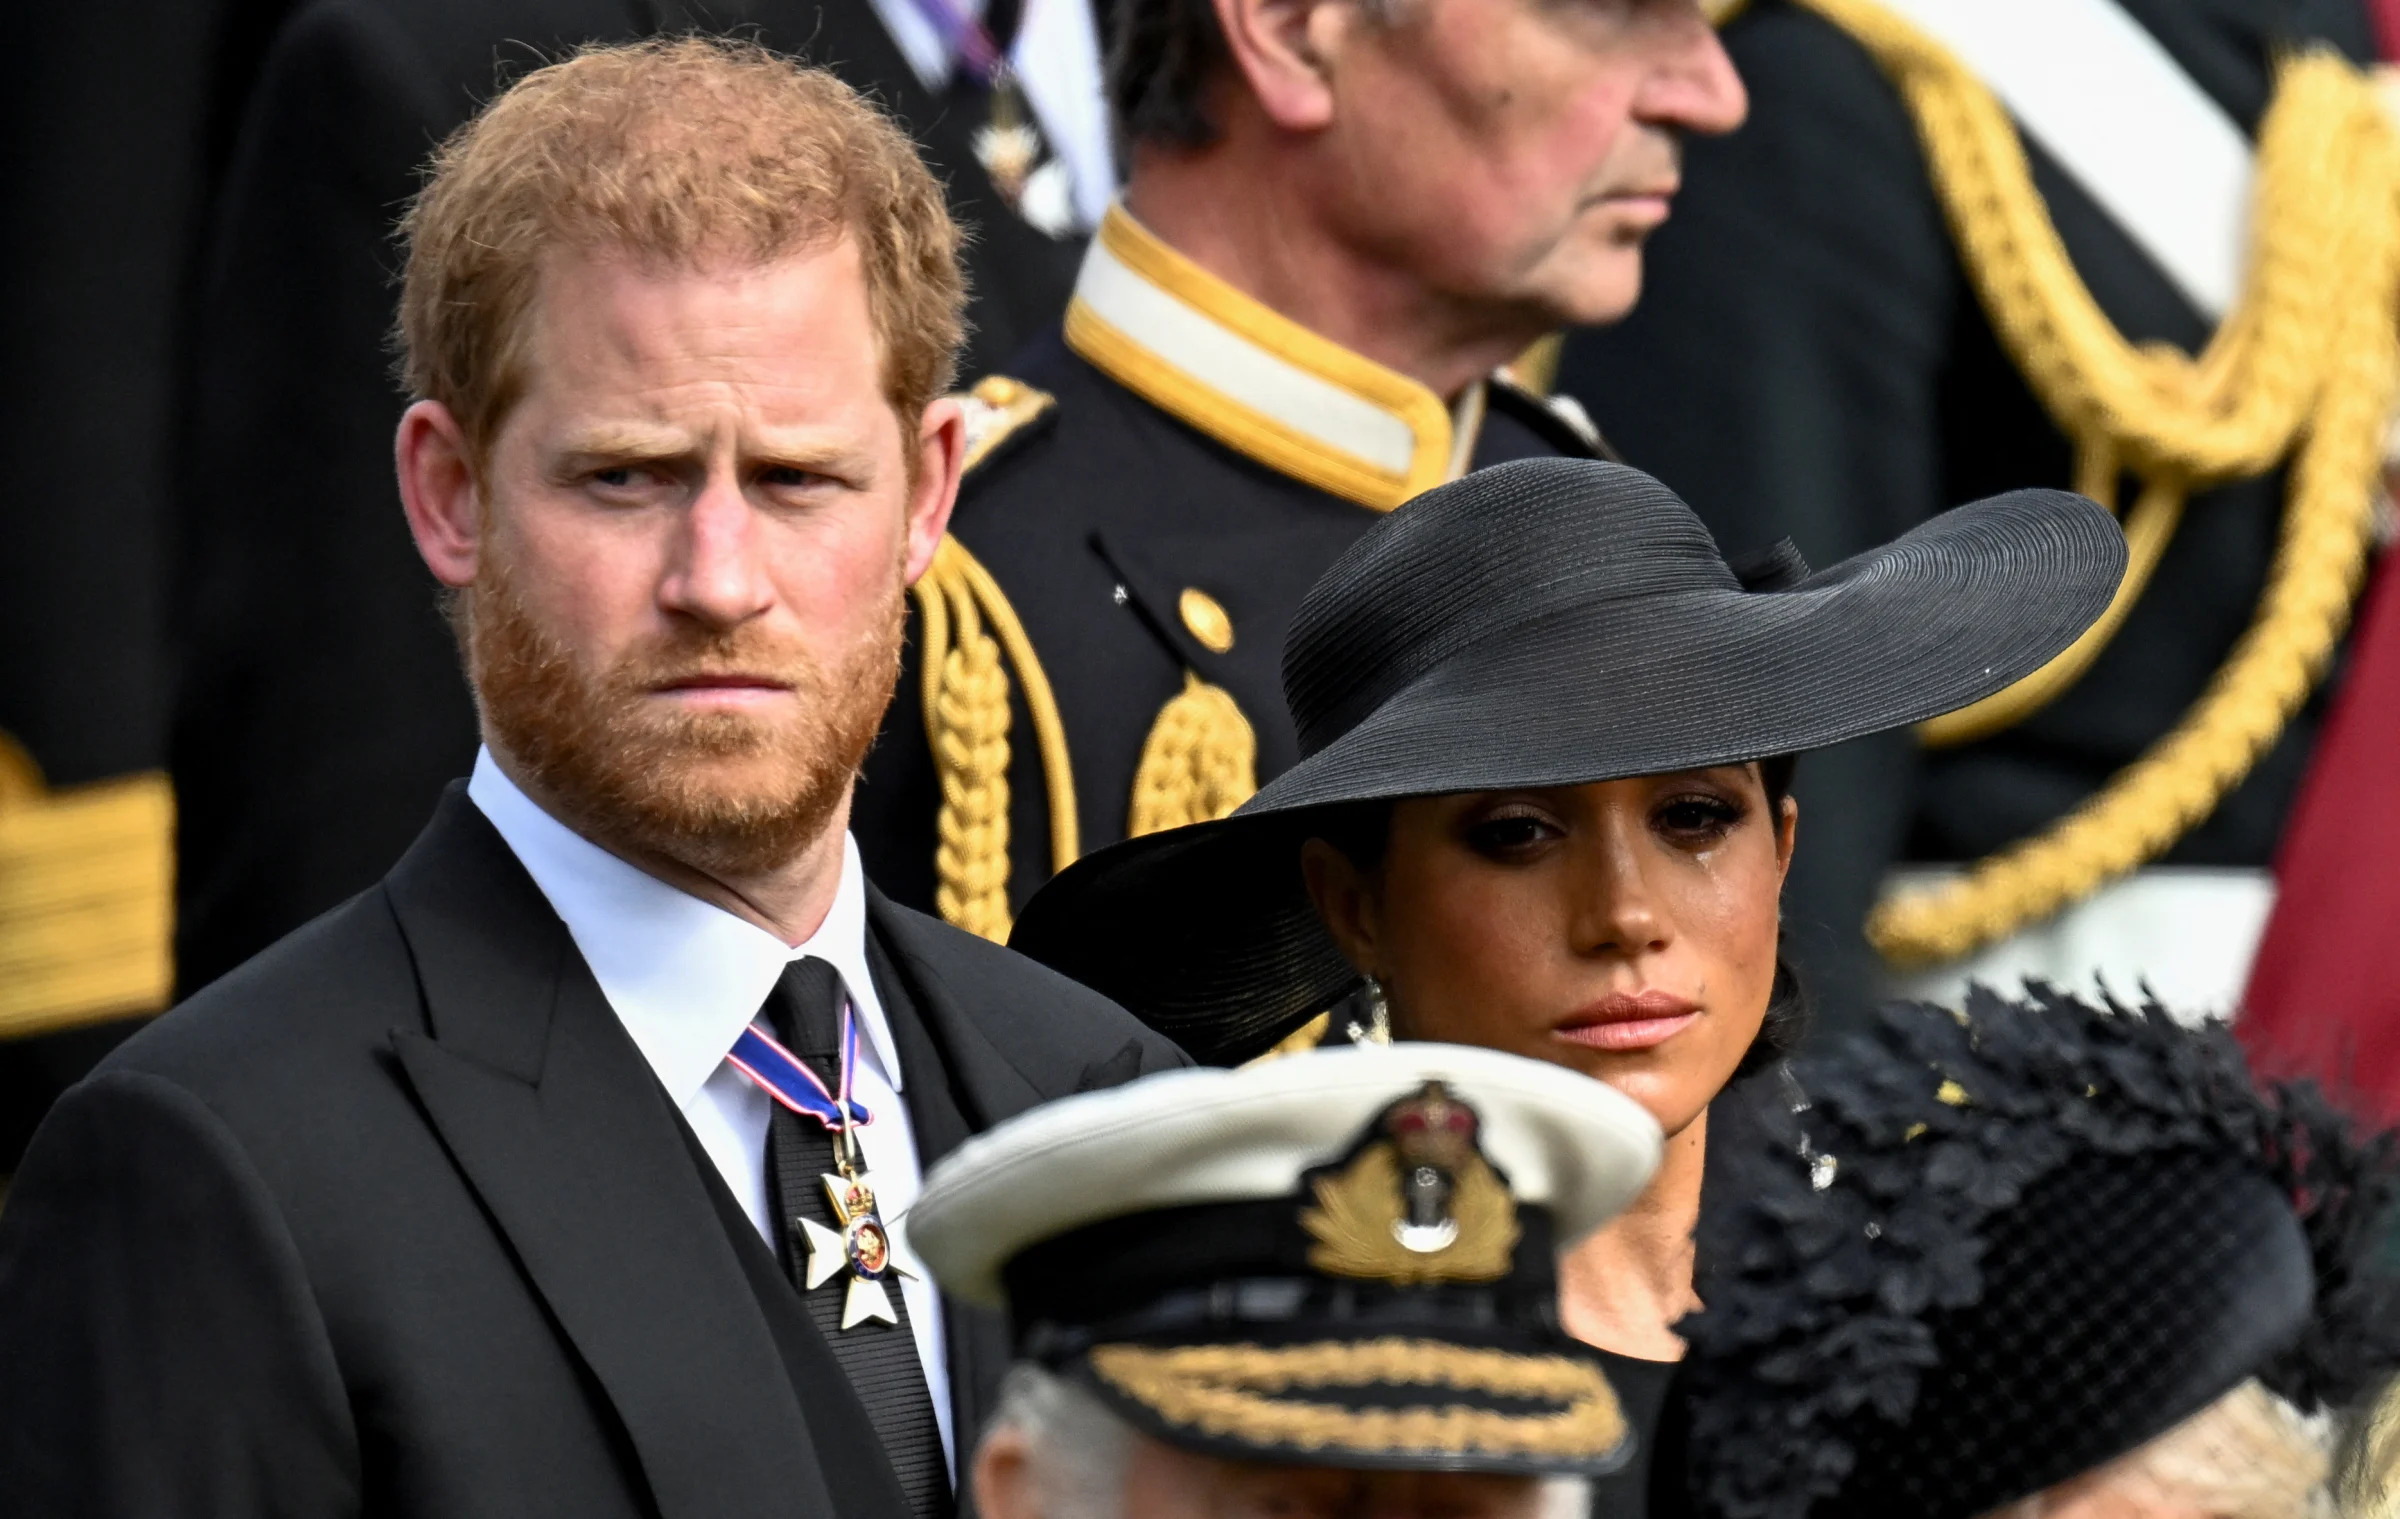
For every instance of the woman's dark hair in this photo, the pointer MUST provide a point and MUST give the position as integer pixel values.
(1362, 831)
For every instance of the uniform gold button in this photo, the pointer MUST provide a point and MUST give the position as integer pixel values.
(1206, 619)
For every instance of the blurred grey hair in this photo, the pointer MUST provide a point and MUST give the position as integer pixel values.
(1077, 1448)
(2249, 1455)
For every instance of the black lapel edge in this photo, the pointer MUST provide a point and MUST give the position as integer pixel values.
(558, 1125)
(990, 1086)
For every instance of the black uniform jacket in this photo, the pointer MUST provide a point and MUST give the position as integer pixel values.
(396, 1220)
(1148, 477)
(319, 710)
(1808, 359)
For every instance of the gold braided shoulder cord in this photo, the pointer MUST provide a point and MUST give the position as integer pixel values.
(1199, 762)
(969, 624)
(2307, 358)
(969, 627)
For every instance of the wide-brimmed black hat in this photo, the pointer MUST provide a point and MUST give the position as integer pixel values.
(1547, 623)
(1982, 1252)
(1346, 1259)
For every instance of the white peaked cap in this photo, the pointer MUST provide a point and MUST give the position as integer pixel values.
(1565, 1143)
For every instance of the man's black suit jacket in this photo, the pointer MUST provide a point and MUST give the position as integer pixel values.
(296, 780)
(396, 1220)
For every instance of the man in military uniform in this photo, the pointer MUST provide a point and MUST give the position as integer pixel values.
(1343, 218)
(1962, 248)
(1325, 1285)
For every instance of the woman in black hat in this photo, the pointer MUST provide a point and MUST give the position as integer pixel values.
(2042, 1258)
(1539, 806)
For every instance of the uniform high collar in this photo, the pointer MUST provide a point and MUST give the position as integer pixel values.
(1257, 381)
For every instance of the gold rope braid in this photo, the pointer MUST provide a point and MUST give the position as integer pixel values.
(1244, 1392)
(969, 625)
(2307, 356)
(1199, 762)
(972, 637)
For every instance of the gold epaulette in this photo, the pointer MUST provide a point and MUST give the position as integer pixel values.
(87, 884)
(997, 409)
(2301, 370)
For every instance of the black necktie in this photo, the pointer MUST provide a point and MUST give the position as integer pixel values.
(880, 1359)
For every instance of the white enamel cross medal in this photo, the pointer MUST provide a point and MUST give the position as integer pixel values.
(863, 1248)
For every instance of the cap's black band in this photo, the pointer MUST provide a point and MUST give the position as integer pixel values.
(1249, 1261)
(1310, 1305)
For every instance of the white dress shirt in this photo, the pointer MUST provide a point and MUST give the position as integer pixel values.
(685, 977)
(1056, 56)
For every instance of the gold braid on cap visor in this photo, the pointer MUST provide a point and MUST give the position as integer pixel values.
(1232, 1392)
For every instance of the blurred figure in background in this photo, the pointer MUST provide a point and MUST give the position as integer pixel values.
(1962, 248)
(115, 129)
(299, 774)
(1342, 218)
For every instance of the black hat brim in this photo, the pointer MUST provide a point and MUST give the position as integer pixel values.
(1207, 932)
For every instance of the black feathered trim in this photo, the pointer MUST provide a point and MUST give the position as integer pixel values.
(2345, 1187)
(1862, 1216)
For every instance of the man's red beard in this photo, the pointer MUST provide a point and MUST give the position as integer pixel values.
(727, 793)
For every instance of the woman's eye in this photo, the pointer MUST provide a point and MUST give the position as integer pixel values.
(1698, 816)
(1510, 835)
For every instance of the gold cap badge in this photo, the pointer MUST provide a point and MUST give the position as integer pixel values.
(1418, 1203)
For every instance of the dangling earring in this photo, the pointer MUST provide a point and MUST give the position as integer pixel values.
(1375, 1027)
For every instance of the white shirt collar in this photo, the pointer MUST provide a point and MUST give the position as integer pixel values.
(684, 976)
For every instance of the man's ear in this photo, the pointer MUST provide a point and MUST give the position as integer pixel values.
(438, 491)
(1345, 902)
(1286, 50)
(1003, 1476)
(941, 445)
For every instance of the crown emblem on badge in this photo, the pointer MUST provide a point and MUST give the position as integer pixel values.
(1417, 1202)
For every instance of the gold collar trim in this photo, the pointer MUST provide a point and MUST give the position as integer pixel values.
(1256, 381)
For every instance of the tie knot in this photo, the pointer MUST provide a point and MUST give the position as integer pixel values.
(805, 1009)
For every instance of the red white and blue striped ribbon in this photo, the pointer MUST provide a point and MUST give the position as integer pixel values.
(787, 1078)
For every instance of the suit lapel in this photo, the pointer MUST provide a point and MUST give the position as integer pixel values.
(975, 1339)
(986, 1086)
(564, 1133)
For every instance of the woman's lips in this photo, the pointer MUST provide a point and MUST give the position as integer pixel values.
(1630, 1021)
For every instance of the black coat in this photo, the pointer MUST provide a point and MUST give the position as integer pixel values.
(1106, 490)
(1808, 359)
(396, 1219)
(319, 709)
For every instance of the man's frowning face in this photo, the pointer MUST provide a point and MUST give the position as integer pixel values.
(684, 607)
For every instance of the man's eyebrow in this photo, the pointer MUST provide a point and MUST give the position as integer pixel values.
(628, 441)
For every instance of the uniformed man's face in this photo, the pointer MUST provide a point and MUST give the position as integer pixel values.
(1521, 151)
(1626, 928)
(1162, 1481)
(1165, 1482)
(685, 555)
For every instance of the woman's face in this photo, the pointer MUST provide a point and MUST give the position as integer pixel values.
(1625, 928)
